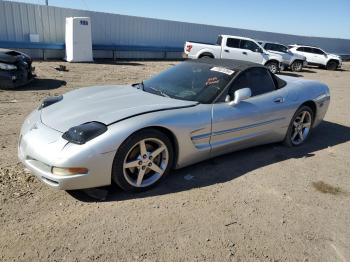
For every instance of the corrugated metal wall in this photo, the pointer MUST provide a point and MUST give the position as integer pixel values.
(18, 20)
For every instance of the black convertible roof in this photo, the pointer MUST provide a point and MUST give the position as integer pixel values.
(236, 65)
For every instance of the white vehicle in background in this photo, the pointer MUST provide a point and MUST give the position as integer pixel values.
(316, 56)
(291, 60)
(234, 47)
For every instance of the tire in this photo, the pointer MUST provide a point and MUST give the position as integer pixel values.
(297, 66)
(272, 66)
(332, 65)
(135, 168)
(299, 132)
(206, 56)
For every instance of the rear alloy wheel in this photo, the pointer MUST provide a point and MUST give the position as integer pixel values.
(297, 66)
(142, 160)
(272, 66)
(300, 127)
(332, 65)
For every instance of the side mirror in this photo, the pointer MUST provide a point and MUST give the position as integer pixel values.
(258, 50)
(240, 95)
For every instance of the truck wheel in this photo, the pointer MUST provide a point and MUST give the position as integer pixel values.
(332, 65)
(272, 66)
(297, 66)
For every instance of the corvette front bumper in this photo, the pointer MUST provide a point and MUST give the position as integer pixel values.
(40, 148)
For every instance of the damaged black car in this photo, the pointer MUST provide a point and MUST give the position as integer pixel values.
(15, 69)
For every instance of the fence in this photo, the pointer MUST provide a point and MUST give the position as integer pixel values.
(122, 36)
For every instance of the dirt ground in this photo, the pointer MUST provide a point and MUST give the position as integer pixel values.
(268, 203)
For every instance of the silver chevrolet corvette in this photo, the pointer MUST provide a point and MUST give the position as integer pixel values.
(135, 134)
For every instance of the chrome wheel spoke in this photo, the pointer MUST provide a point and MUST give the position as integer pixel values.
(140, 176)
(156, 168)
(132, 164)
(143, 149)
(294, 135)
(157, 151)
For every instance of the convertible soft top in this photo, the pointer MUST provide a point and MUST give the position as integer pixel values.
(236, 65)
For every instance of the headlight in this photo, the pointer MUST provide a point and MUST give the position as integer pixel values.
(84, 132)
(49, 101)
(7, 67)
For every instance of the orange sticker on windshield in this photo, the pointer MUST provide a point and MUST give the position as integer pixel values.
(212, 80)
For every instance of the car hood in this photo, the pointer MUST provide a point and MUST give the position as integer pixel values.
(105, 104)
(334, 56)
(274, 55)
(5, 58)
(298, 56)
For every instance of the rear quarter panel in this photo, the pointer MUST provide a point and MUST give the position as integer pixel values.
(309, 90)
(199, 49)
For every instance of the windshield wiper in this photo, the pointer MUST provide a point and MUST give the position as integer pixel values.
(160, 92)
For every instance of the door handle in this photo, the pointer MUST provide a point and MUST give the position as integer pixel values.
(227, 51)
(278, 100)
(244, 53)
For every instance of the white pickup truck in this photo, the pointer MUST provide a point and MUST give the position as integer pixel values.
(234, 47)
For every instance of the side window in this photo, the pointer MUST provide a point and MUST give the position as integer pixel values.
(246, 44)
(281, 48)
(258, 79)
(301, 49)
(232, 42)
(308, 50)
(318, 51)
(240, 82)
(276, 47)
(269, 46)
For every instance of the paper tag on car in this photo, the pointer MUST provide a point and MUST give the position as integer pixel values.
(222, 70)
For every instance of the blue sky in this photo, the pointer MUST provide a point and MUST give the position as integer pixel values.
(326, 18)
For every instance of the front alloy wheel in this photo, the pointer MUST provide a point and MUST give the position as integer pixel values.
(300, 127)
(146, 162)
(273, 67)
(297, 66)
(142, 160)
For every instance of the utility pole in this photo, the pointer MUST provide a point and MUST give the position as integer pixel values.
(47, 2)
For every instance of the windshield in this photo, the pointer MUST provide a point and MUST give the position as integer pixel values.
(190, 81)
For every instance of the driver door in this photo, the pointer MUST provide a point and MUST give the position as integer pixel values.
(251, 51)
(257, 120)
(318, 56)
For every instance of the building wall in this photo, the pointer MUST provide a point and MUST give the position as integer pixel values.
(18, 20)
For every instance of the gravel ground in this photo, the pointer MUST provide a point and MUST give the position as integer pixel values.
(268, 203)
